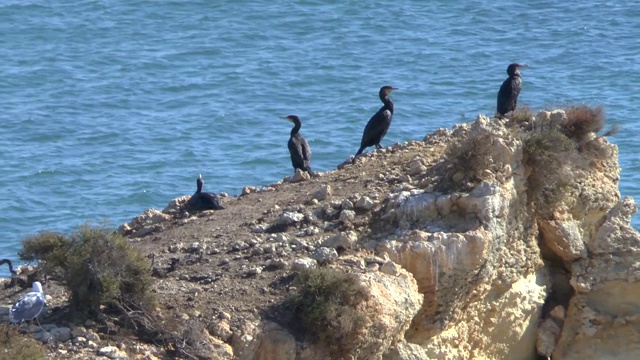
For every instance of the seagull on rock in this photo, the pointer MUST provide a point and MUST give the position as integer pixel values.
(28, 306)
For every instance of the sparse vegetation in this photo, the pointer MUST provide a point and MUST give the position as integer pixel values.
(466, 161)
(15, 346)
(98, 266)
(583, 120)
(522, 116)
(324, 307)
(548, 151)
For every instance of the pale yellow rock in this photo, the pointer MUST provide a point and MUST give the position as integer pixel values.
(269, 342)
(463, 275)
(564, 238)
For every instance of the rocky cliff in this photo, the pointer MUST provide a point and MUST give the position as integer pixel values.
(517, 242)
(498, 239)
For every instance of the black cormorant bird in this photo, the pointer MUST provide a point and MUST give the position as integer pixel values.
(510, 89)
(379, 123)
(203, 200)
(298, 146)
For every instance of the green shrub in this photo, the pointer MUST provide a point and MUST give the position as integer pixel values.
(41, 245)
(15, 346)
(98, 266)
(324, 305)
(547, 148)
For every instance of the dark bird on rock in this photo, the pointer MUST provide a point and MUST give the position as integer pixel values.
(379, 123)
(510, 89)
(298, 146)
(203, 200)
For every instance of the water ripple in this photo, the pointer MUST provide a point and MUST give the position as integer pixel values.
(113, 106)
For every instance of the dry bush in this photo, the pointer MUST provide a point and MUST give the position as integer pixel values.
(98, 266)
(548, 153)
(521, 117)
(583, 120)
(15, 346)
(324, 306)
(468, 157)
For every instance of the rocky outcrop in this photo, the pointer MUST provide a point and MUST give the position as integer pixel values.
(393, 302)
(499, 239)
(509, 264)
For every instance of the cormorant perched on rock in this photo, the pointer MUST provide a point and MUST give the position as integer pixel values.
(379, 123)
(203, 200)
(298, 146)
(510, 89)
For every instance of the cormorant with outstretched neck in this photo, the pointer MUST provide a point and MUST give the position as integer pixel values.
(510, 89)
(203, 200)
(379, 123)
(298, 146)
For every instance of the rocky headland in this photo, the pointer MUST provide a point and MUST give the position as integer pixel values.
(498, 239)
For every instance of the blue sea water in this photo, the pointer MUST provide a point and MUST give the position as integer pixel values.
(114, 106)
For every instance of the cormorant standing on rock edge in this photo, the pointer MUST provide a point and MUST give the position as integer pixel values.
(203, 200)
(379, 123)
(509, 90)
(298, 146)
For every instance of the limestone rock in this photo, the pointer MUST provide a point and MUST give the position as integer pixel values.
(389, 268)
(248, 190)
(221, 330)
(344, 240)
(61, 334)
(298, 176)
(176, 204)
(289, 218)
(270, 342)
(548, 335)
(113, 353)
(392, 303)
(564, 238)
(347, 215)
(324, 255)
(302, 264)
(364, 203)
(147, 221)
(323, 193)
(416, 167)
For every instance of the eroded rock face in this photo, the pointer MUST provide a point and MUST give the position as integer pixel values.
(503, 263)
(602, 319)
(476, 262)
(392, 303)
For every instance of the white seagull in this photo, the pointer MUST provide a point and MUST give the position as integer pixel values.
(28, 306)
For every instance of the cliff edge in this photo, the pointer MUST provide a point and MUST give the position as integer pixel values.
(498, 239)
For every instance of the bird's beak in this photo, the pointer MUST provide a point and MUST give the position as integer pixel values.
(523, 66)
(286, 118)
(200, 176)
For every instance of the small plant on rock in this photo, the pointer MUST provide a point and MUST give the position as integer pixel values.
(467, 162)
(549, 153)
(325, 304)
(521, 117)
(583, 120)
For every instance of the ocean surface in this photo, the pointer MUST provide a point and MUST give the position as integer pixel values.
(111, 107)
